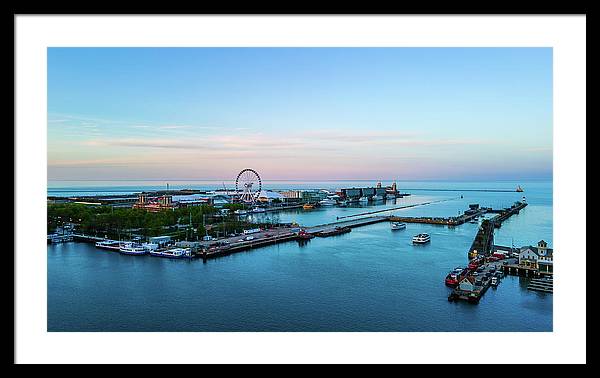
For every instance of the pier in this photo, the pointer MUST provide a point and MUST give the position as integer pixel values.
(245, 245)
(544, 285)
(349, 223)
(507, 213)
(395, 208)
(521, 270)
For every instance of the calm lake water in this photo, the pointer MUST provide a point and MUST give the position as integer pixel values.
(371, 279)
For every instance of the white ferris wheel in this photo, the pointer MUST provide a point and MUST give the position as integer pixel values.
(248, 181)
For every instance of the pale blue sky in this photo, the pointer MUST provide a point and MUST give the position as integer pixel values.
(300, 113)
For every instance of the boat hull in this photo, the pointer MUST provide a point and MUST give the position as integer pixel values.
(133, 253)
(169, 256)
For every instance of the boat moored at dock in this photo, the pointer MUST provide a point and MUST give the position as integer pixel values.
(455, 276)
(112, 245)
(173, 253)
(328, 202)
(131, 248)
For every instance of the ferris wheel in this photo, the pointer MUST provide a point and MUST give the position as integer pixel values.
(249, 182)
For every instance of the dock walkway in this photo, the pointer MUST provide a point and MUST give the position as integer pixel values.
(348, 223)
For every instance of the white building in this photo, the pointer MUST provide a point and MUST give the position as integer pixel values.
(269, 196)
(539, 257)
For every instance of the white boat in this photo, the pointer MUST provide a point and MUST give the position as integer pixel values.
(328, 202)
(473, 220)
(240, 212)
(421, 238)
(130, 248)
(150, 246)
(363, 199)
(173, 253)
(377, 197)
(494, 281)
(113, 245)
(258, 210)
(398, 226)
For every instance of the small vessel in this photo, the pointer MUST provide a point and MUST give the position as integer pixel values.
(495, 281)
(455, 276)
(173, 253)
(150, 246)
(377, 197)
(421, 238)
(473, 220)
(308, 206)
(475, 263)
(398, 226)
(112, 245)
(258, 210)
(241, 212)
(130, 248)
(519, 189)
(305, 235)
(343, 203)
(328, 202)
(363, 199)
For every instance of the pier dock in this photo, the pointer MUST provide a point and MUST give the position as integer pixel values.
(545, 285)
(348, 223)
(395, 208)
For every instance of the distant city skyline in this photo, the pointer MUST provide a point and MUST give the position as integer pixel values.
(300, 113)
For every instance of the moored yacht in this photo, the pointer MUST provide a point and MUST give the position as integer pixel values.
(421, 238)
(131, 248)
(258, 210)
(398, 226)
(328, 202)
(173, 253)
(108, 244)
(377, 197)
(363, 199)
(240, 212)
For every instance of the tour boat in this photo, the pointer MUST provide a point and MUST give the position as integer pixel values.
(398, 226)
(150, 246)
(458, 274)
(328, 202)
(112, 245)
(130, 248)
(421, 238)
(173, 253)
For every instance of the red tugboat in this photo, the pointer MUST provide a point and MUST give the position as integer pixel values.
(303, 235)
(474, 264)
(454, 277)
